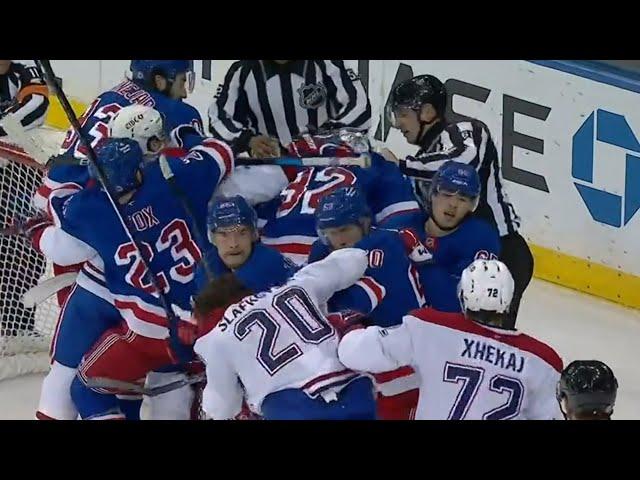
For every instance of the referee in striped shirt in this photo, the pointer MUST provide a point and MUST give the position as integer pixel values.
(263, 104)
(417, 110)
(24, 93)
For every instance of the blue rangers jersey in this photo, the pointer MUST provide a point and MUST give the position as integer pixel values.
(161, 227)
(67, 179)
(265, 268)
(390, 287)
(288, 221)
(441, 260)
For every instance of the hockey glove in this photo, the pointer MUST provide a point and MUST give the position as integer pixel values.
(346, 321)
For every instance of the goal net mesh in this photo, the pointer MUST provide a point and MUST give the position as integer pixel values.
(25, 333)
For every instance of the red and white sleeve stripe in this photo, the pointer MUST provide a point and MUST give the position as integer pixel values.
(374, 290)
(396, 209)
(222, 154)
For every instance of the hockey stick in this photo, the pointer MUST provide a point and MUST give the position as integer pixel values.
(19, 135)
(363, 161)
(180, 350)
(44, 290)
(168, 175)
(129, 387)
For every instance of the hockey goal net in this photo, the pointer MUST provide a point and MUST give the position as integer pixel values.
(25, 333)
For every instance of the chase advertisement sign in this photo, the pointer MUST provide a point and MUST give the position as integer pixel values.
(613, 129)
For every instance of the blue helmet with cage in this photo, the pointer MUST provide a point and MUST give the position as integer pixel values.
(455, 177)
(230, 212)
(344, 206)
(121, 162)
(143, 71)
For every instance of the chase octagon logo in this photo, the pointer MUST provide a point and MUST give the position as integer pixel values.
(613, 129)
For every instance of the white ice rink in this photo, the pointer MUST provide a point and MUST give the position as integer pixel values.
(578, 326)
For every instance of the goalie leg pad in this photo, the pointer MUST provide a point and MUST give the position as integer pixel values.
(55, 396)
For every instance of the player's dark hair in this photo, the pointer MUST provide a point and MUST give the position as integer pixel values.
(491, 319)
(220, 293)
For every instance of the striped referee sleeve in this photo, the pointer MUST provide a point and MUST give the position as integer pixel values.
(32, 99)
(228, 118)
(350, 101)
(461, 142)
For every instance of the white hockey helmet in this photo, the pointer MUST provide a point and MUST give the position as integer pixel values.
(486, 285)
(138, 123)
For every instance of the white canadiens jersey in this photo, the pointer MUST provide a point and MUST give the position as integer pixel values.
(279, 339)
(467, 371)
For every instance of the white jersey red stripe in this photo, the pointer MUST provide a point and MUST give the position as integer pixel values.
(333, 381)
(466, 370)
(397, 381)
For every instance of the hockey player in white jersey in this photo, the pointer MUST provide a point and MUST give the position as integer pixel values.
(279, 350)
(470, 367)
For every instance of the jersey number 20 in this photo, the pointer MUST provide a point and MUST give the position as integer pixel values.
(294, 307)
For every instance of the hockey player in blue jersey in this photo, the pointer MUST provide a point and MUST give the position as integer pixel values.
(159, 223)
(289, 218)
(232, 226)
(74, 335)
(451, 238)
(160, 84)
(389, 289)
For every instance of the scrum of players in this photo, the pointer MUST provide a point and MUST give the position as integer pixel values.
(393, 307)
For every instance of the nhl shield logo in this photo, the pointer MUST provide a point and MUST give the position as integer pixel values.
(312, 95)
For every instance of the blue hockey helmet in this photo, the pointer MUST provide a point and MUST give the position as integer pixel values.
(142, 71)
(344, 206)
(121, 162)
(230, 212)
(456, 177)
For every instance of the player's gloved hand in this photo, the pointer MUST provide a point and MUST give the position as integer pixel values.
(346, 321)
(31, 228)
(186, 136)
(246, 414)
(262, 146)
(187, 332)
(416, 250)
(329, 126)
(319, 146)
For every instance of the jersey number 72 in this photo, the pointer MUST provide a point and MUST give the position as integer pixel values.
(471, 380)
